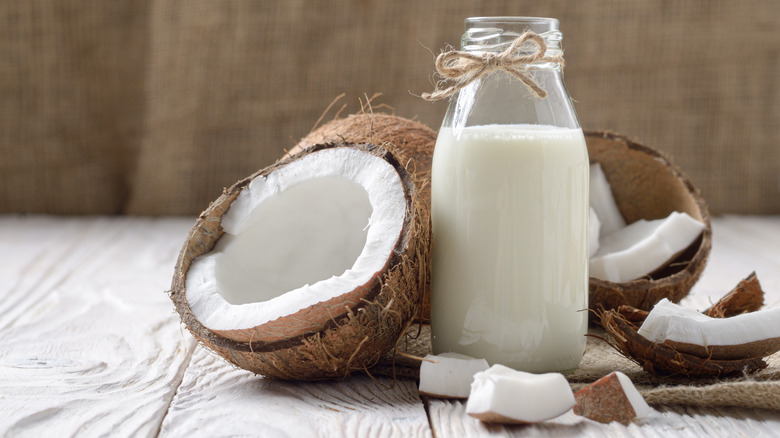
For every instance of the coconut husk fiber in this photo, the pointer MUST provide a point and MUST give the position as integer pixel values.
(756, 391)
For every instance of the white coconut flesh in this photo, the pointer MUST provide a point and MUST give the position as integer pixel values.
(642, 247)
(603, 201)
(312, 230)
(449, 375)
(594, 230)
(501, 394)
(638, 403)
(669, 321)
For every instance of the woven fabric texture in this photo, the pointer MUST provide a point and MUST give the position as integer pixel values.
(153, 106)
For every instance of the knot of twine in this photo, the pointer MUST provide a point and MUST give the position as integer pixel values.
(463, 68)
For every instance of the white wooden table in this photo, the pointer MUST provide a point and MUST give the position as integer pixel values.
(90, 346)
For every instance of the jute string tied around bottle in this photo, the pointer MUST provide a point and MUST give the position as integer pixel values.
(462, 67)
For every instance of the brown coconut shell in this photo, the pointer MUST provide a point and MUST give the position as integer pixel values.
(604, 401)
(403, 137)
(746, 297)
(331, 339)
(762, 348)
(646, 185)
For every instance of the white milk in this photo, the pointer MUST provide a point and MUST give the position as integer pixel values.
(510, 258)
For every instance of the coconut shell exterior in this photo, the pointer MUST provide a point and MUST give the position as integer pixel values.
(605, 401)
(330, 339)
(403, 137)
(747, 296)
(646, 185)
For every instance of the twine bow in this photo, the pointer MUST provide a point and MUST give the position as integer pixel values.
(463, 68)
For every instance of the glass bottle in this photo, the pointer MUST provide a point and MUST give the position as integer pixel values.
(510, 211)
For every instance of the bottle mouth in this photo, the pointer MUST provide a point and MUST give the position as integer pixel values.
(489, 34)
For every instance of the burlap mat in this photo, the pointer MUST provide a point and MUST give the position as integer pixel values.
(153, 106)
(759, 390)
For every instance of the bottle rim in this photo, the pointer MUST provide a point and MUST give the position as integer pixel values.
(553, 23)
(486, 34)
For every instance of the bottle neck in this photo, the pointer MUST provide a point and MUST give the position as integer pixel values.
(508, 94)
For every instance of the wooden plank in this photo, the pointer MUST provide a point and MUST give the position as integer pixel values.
(89, 342)
(90, 345)
(216, 399)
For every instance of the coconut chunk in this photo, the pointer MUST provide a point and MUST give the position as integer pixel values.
(603, 201)
(449, 375)
(642, 247)
(503, 395)
(594, 230)
(754, 334)
(611, 398)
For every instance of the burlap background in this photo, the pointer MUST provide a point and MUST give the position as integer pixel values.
(152, 106)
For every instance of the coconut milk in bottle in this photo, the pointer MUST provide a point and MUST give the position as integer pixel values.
(510, 212)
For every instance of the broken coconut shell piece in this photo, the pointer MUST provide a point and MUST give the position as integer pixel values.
(663, 360)
(746, 297)
(503, 395)
(310, 268)
(646, 185)
(754, 334)
(611, 398)
(449, 375)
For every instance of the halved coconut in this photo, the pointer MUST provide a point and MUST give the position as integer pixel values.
(646, 185)
(310, 268)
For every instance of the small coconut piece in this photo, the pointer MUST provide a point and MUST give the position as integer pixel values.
(754, 334)
(664, 360)
(611, 398)
(449, 375)
(310, 268)
(594, 230)
(603, 202)
(647, 185)
(503, 395)
(746, 297)
(643, 247)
